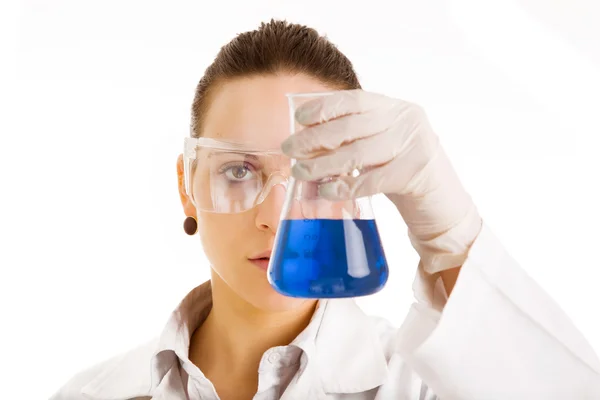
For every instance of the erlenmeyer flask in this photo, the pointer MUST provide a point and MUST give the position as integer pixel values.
(323, 248)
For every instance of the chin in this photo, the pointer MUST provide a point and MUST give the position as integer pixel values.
(265, 297)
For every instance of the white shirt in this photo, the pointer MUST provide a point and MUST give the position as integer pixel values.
(498, 336)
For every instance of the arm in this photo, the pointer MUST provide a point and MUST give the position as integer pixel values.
(449, 278)
(498, 336)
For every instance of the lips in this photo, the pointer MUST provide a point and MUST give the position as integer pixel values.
(261, 260)
(264, 254)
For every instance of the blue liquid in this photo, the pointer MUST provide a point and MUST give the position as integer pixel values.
(327, 258)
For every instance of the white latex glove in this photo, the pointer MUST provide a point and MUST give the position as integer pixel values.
(391, 142)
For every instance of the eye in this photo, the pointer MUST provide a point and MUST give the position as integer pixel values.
(238, 173)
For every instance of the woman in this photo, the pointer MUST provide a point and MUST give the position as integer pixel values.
(481, 329)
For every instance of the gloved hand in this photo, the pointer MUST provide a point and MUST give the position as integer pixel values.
(392, 145)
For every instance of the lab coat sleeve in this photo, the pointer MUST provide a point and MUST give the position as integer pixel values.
(498, 336)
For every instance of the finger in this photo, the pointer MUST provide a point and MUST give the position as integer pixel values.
(383, 179)
(338, 104)
(358, 155)
(335, 133)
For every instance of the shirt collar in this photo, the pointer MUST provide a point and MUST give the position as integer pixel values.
(344, 352)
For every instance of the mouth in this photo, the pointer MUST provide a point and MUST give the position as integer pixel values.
(261, 260)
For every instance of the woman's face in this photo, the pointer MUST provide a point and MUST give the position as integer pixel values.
(252, 110)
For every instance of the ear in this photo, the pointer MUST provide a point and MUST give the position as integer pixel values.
(186, 202)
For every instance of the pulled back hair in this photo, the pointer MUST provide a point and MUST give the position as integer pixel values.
(275, 47)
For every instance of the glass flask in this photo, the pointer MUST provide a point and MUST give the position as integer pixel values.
(325, 248)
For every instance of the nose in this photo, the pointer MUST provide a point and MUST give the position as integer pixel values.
(269, 210)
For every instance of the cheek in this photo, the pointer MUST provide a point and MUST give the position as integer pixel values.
(222, 236)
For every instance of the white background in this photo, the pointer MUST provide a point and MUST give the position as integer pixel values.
(96, 105)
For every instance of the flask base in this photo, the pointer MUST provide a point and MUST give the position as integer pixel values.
(328, 258)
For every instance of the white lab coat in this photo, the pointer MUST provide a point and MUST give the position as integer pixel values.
(499, 337)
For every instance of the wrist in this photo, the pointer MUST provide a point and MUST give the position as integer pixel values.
(449, 249)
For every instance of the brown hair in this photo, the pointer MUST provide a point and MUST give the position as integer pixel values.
(277, 46)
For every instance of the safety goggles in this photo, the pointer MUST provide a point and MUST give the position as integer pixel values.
(230, 177)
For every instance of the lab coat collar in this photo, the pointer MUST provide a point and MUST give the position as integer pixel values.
(139, 372)
(350, 354)
(343, 352)
(175, 339)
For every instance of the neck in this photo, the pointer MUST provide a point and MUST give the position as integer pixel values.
(236, 334)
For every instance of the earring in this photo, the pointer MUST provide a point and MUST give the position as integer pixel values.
(190, 226)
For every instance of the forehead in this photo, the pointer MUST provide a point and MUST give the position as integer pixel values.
(255, 109)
